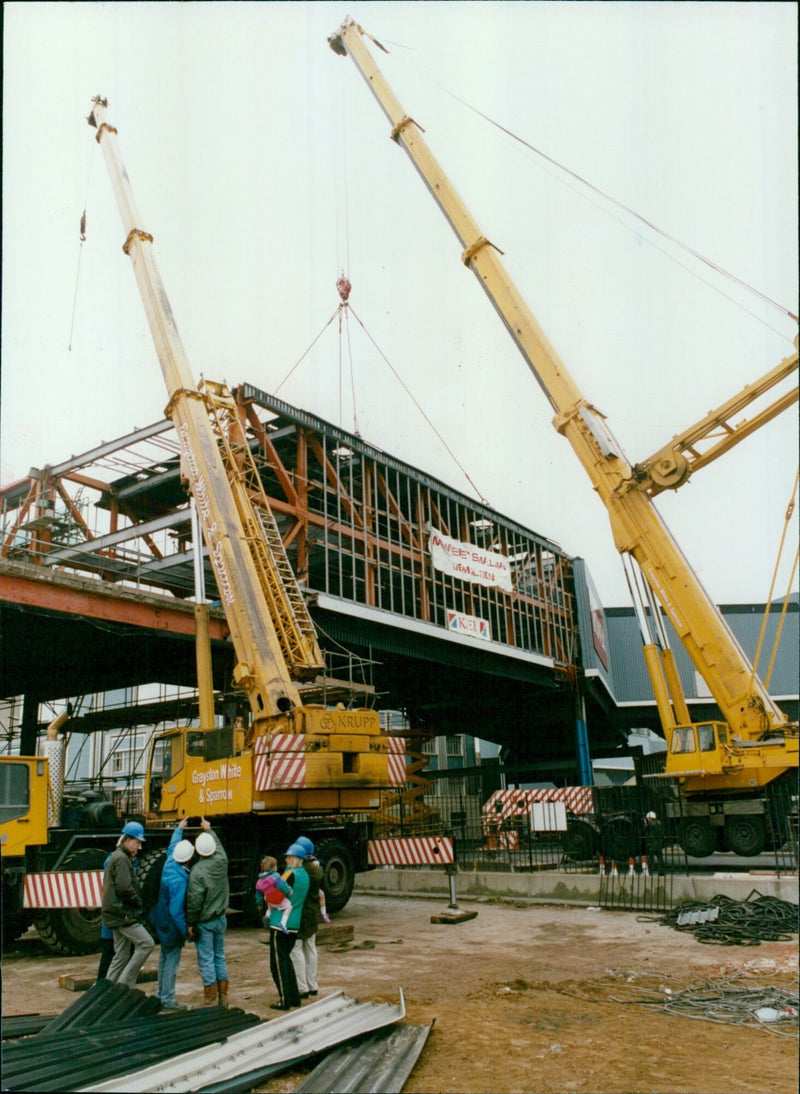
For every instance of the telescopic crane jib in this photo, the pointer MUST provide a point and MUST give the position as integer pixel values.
(756, 743)
(272, 631)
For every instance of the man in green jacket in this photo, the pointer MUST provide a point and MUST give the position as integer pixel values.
(123, 908)
(206, 902)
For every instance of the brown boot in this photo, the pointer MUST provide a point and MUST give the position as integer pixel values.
(209, 994)
(222, 993)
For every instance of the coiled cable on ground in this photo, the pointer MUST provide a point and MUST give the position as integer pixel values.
(724, 921)
(733, 1001)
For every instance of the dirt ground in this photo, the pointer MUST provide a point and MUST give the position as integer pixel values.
(524, 997)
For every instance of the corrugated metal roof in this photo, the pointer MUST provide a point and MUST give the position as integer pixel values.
(378, 1064)
(627, 679)
(107, 1032)
(296, 1035)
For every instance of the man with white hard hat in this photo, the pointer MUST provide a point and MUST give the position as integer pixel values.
(168, 917)
(206, 902)
(123, 908)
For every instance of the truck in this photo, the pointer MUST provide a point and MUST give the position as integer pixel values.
(280, 767)
(720, 771)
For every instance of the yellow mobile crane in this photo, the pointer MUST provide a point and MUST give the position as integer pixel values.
(291, 767)
(721, 767)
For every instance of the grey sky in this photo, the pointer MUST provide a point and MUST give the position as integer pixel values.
(262, 167)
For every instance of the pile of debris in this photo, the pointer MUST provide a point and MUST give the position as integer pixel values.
(728, 922)
(115, 1039)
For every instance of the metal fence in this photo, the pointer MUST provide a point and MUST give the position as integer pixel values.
(601, 830)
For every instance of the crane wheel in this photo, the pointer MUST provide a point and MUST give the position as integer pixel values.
(148, 872)
(340, 874)
(745, 834)
(73, 931)
(697, 838)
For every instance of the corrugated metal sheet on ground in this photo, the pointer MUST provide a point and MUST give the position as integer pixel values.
(23, 1025)
(91, 1043)
(296, 1035)
(377, 1064)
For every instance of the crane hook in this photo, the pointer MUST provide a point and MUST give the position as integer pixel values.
(343, 287)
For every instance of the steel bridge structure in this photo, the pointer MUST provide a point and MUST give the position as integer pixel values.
(97, 586)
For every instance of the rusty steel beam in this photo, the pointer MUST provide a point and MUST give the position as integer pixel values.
(48, 590)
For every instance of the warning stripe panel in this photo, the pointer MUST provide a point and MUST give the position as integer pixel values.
(578, 800)
(64, 889)
(414, 851)
(280, 762)
(397, 769)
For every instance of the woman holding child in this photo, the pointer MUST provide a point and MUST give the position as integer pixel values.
(282, 935)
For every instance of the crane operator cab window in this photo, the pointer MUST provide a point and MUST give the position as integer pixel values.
(683, 740)
(705, 738)
(14, 790)
(165, 760)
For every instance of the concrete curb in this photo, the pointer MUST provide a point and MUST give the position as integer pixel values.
(552, 887)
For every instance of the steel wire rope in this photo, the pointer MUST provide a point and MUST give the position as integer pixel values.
(408, 392)
(90, 161)
(631, 212)
(305, 352)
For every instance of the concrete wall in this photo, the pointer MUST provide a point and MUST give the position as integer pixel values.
(559, 888)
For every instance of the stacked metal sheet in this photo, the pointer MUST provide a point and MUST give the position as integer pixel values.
(111, 1030)
(247, 1058)
(377, 1064)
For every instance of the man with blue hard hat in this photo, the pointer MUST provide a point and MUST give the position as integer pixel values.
(281, 942)
(123, 908)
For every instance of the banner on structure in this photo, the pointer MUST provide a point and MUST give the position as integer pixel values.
(469, 624)
(469, 562)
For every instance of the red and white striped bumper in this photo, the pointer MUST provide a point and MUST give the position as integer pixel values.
(67, 889)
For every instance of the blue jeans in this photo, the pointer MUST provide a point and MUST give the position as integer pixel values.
(168, 962)
(210, 944)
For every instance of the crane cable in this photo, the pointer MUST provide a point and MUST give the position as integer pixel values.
(80, 246)
(405, 388)
(787, 519)
(631, 212)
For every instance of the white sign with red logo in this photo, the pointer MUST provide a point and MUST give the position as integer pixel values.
(469, 624)
(469, 562)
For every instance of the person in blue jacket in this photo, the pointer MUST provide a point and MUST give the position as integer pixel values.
(168, 917)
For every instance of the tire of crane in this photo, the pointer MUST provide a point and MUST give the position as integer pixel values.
(13, 922)
(618, 840)
(148, 874)
(339, 872)
(581, 841)
(745, 834)
(73, 931)
(697, 838)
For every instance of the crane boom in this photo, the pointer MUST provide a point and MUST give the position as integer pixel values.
(272, 632)
(638, 530)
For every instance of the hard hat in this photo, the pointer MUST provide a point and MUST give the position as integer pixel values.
(297, 849)
(183, 851)
(205, 844)
(650, 816)
(135, 830)
(304, 841)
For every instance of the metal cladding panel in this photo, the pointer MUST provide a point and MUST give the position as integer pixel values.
(597, 648)
(631, 683)
(299, 1033)
(381, 1063)
(107, 1031)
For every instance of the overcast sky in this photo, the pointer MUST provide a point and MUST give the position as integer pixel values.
(262, 166)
